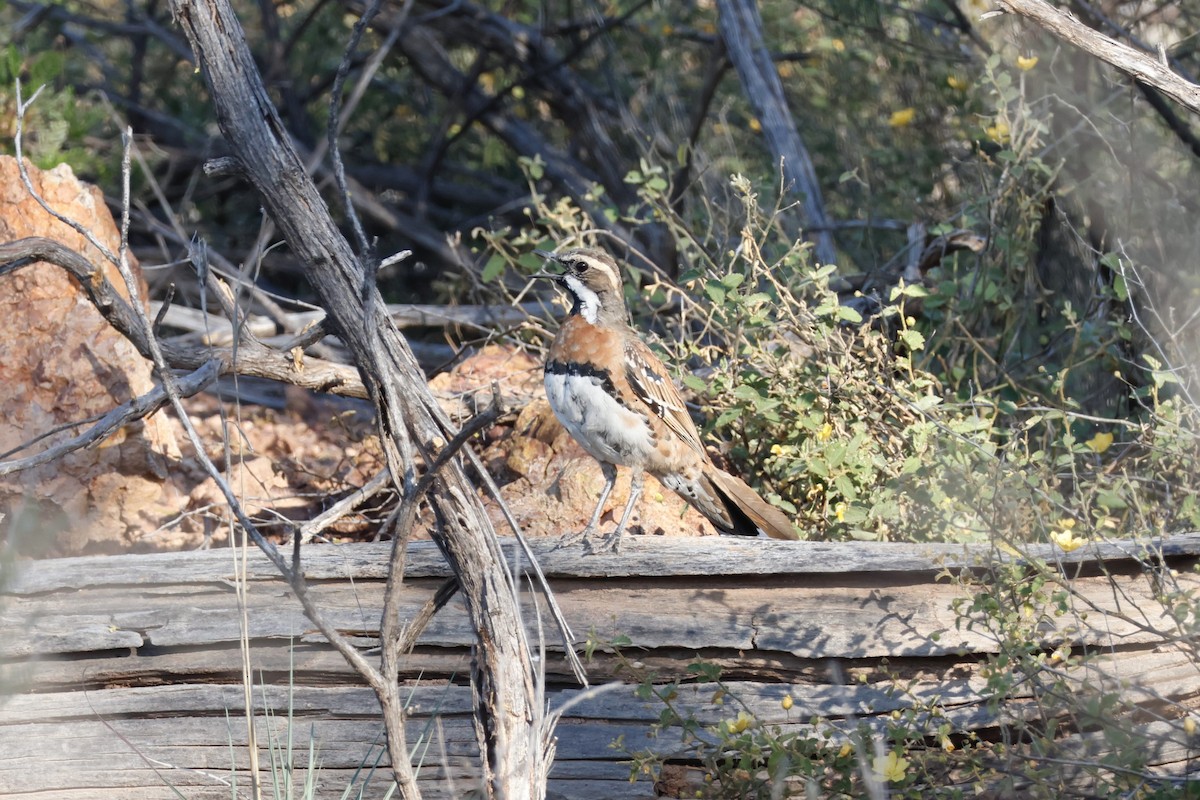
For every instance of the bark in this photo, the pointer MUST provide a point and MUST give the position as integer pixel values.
(516, 748)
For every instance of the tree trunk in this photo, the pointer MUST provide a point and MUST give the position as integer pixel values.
(742, 30)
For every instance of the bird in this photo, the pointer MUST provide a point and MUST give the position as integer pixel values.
(616, 398)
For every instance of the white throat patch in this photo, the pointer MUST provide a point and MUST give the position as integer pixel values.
(589, 301)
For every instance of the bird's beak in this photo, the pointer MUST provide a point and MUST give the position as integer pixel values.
(544, 274)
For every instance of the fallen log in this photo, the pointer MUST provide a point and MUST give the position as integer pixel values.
(124, 674)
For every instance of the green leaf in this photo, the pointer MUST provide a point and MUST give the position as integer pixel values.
(715, 292)
(848, 314)
(733, 280)
(534, 167)
(1119, 288)
(656, 184)
(913, 339)
(728, 416)
(493, 269)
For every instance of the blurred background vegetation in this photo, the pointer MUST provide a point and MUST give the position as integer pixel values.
(1005, 346)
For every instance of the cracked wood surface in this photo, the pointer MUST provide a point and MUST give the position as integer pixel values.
(126, 670)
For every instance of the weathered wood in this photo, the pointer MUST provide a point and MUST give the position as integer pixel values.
(858, 618)
(213, 329)
(126, 673)
(647, 557)
(1139, 65)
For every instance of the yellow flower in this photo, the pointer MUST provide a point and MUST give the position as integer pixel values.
(838, 45)
(998, 133)
(900, 118)
(755, 125)
(1026, 63)
(1067, 540)
(840, 512)
(786, 702)
(742, 722)
(776, 449)
(1099, 443)
(890, 767)
(826, 433)
(845, 751)
(1189, 726)
(956, 83)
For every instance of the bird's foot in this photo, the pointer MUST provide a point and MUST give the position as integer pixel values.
(609, 544)
(573, 537)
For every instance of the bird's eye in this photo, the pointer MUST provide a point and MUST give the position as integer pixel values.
(580, 266)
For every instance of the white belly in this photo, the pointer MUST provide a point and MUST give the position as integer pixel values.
(606, 429)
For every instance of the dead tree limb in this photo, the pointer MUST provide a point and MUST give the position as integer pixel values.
(124, 414)
(250, 357)
(1136, 63)
(510, 723)
(742, 30)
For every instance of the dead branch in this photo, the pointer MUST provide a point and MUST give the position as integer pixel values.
(1136, 63)
(250, 358)
(136, 409)
(510, 725)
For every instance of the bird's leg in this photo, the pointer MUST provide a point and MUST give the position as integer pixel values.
(613, 540)
(610, 480)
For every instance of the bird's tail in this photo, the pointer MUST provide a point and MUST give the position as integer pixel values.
(749, 513)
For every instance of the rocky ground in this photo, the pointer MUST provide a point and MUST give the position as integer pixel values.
(289, 457)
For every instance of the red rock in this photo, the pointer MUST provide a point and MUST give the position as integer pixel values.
(60, 363)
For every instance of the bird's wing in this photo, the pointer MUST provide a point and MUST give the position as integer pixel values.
(650, 382)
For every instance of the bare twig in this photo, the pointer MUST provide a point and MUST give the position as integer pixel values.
(336, 121)
(339, 509)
